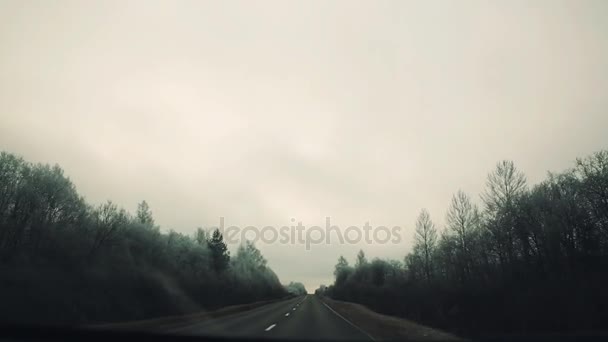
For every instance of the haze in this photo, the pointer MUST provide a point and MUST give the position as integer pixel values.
(265, 111)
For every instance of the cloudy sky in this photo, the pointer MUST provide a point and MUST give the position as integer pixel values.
(264, 111)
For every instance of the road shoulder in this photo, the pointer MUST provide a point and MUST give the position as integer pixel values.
(384, 327)
(165, 324)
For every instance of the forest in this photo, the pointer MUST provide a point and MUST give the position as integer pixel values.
(63, 261)
(525, 259)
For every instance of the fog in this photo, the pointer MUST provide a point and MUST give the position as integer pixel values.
(271, 111)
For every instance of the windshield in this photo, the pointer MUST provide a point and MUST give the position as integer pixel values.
(311, 170)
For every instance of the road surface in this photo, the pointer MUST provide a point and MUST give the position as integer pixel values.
(303, 318)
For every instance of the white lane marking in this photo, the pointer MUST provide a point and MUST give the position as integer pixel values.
(347, 321)
(287, 314)
(270, 327)
(294, 309)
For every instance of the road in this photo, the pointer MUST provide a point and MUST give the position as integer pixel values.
(303, 318)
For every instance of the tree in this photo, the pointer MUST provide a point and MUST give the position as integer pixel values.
(249, 254)
(219, 252)
(534, 260)
(11, 173)
(200, 236)
(592, 172)
(108, 221)
(361, 260)
(425, 239)
(144, 214)
(504, 187)
(342, 270)
(379, 271)
(50, 236)
(255, 255)
(462, 221)
(444, 254)
(296, 288)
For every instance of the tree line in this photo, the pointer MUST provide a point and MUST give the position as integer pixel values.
(67, 262)
(526, 259)
(296, 288)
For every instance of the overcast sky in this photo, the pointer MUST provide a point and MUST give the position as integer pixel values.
(264, 111)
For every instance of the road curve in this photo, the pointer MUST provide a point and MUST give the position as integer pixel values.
(302, 318)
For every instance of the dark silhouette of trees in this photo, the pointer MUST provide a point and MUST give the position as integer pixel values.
(219, 252)
(361, 259)
(107, 221)
(342, 270)
(64, 261)
(532, 259)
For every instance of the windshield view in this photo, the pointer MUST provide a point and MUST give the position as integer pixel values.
(303, 170)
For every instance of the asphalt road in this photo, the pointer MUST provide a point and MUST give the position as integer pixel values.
(303, 318)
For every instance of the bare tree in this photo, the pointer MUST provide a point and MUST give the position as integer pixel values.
(504, 187)
(426, 239)
(108, 222)
(463, 221)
